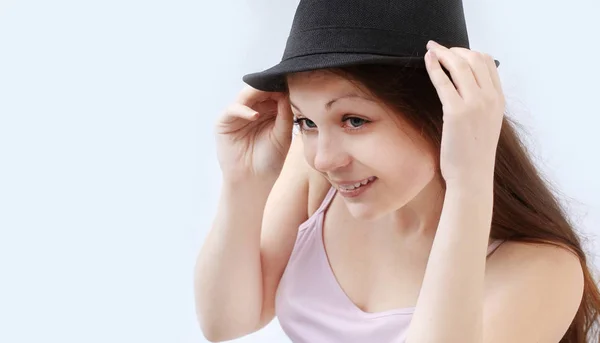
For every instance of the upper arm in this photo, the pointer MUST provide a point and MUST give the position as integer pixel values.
(532, 293)
(285, 210)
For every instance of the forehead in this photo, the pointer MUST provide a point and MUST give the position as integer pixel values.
(316, 78)
(322, 85)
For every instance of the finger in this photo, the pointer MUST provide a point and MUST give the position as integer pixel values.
(493, 70)
(237, 111)
(442, 83)
(284, 122)
(478, 65)
(460, 71)
(285, 118)
(249, 96)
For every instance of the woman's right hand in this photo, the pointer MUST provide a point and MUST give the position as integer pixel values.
(254, 135)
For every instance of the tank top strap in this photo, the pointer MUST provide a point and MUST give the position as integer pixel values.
(494, 245)
(311, 222)
(327, 200)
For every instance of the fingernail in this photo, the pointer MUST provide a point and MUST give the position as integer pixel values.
(431, 44)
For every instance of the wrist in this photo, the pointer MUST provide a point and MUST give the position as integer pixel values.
(249, 182)
(472, 200)
(471, 181)
(471, 186)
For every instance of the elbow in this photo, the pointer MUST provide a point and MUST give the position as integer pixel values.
(221, 318)
(222, 334)
(215, 336)
(224, 329)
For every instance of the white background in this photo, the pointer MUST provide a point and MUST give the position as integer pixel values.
(108, 173)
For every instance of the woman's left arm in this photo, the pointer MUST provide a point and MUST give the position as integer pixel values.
(538, 289)
(535, 295)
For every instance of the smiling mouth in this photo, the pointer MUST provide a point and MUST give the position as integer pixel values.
(356, 185)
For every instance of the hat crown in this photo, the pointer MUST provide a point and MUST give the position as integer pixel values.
(439, 20)
(337, 33)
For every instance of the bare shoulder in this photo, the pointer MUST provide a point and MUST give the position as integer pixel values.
(533, 292)
(523, 257)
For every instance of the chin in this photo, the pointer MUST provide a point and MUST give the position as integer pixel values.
(365, 211)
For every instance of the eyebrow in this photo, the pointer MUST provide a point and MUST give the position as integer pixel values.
(331, 102)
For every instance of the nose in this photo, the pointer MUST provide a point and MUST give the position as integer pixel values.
(330, 154)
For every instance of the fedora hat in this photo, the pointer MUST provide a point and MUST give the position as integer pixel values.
(336, 33)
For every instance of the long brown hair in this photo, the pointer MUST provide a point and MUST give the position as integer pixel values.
(525, 207)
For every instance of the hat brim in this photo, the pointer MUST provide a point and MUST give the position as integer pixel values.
(273, 79)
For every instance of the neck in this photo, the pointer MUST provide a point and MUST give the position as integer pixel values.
(420, 217)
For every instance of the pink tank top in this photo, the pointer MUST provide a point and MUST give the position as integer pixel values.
(312, 307)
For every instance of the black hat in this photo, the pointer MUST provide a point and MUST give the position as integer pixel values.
(335, 33)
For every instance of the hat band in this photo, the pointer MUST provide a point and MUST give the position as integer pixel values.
(360, 40)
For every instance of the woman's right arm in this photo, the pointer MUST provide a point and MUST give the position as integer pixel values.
(241, 262)
(243, 257)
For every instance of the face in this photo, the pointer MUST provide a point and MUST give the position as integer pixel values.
(377, 162)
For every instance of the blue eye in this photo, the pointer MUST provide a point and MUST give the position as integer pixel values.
(309, 123)
(305, 123)
(356, 122)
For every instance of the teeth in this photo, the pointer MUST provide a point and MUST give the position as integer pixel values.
(356, 185)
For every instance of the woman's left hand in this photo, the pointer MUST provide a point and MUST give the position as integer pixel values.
(473, 106)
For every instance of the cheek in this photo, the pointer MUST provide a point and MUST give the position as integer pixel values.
(407, 166)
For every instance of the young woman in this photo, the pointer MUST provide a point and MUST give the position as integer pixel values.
(406, 209)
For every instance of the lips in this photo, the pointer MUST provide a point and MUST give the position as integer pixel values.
(352, 185)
